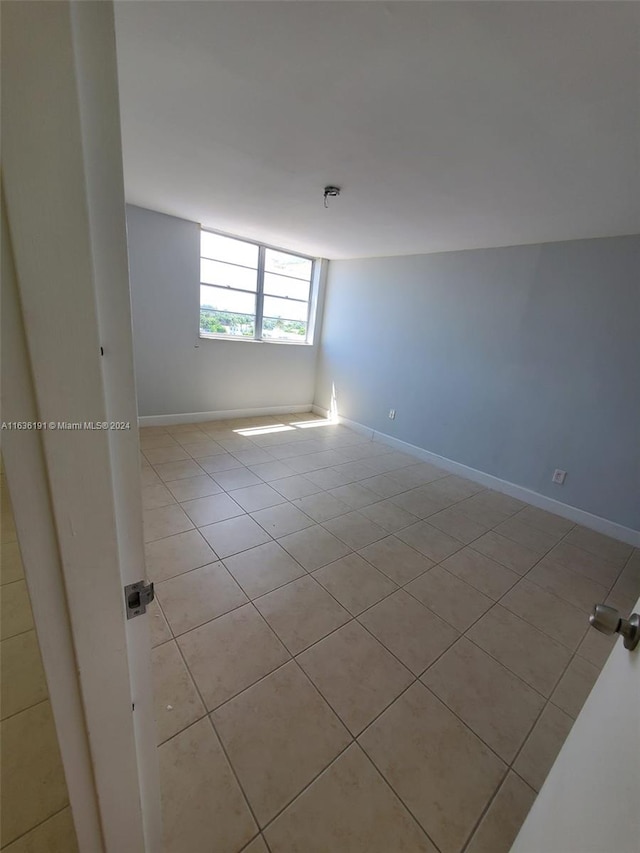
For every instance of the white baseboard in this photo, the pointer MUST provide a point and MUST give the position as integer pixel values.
(579, 516)
(200, 417)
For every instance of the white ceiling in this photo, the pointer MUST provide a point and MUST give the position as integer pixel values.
(447, 125)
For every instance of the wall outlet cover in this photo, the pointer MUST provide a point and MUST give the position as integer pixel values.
(559, 476)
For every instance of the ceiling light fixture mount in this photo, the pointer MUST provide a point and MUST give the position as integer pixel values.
(330, 192)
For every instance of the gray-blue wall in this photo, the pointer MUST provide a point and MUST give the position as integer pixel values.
(514, 361)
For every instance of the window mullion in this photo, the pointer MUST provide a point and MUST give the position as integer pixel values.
(260, 294)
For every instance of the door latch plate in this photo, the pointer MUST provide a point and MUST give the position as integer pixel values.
(136, 598)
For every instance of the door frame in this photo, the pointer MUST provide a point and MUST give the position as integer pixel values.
(76, 492)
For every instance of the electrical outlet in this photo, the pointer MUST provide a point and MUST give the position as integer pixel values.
(392, 414)
(559, 477)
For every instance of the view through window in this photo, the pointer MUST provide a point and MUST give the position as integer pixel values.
(252, 291)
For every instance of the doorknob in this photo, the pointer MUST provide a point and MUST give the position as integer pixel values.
(608, 620)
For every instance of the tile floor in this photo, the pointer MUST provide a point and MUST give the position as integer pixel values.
(355, 651)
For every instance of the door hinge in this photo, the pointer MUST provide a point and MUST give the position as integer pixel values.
(136, 598)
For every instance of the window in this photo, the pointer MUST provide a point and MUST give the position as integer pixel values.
(252, 291)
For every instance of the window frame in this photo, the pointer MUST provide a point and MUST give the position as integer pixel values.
(259, 337)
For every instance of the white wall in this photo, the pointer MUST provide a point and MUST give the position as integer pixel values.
(512, 361)
(176, 371)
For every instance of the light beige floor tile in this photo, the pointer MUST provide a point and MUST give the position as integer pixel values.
(530, 654)
(585, 563)
(430, 541)
(542, 746)
(10, 562)
(219, 462)
(254, 456)
(203, 449)
(155, 496)
(384, 485)
(396, 559)
(169, 471)
(175, 698)
(270, 471)
(158, 625)
(597, 647)
(8, 531)
(196, 597)
(501, 502)
(511, 554)
(388, 516)
(546, 521)
(457, 488)
(301, 613)
(193, 487)
(148, 476)
(419, 504)
(262, 569)
(231, 653)
(582, 592)
(438, 767)
(257, 846)
(556, 617)
(602, 546)
(237, 442)
(347, 809)
(279, 734)
(234, 535)
(453, 600)
(354, 495)
(178, 430)
(328, 478)
(161, 439)
(355, 674)
(282, 519)
(314, 547)
(623, 595)
(15, 609)
(457, 524)
(524, 534)
(55, 835)
(31, 762)
(410, 631)
(171, 453)
(499, 707)
(354, 582)
(168, 557)
(297, 486)
(575, 685)
(481, 572)
(257, 497)
(321, 506)
(504, 817)
(164, 521)
(418, 474)
(191, 436)
(203, 808)
(23, 683)
(203, 511)
(355, 530)
(478, 509)
(236, 478)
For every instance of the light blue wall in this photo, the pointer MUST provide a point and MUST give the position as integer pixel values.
(176, 371)
(513, 361)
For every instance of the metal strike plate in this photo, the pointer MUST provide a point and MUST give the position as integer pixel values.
(136, 597)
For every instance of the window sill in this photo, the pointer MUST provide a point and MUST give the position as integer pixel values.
(242, 340)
